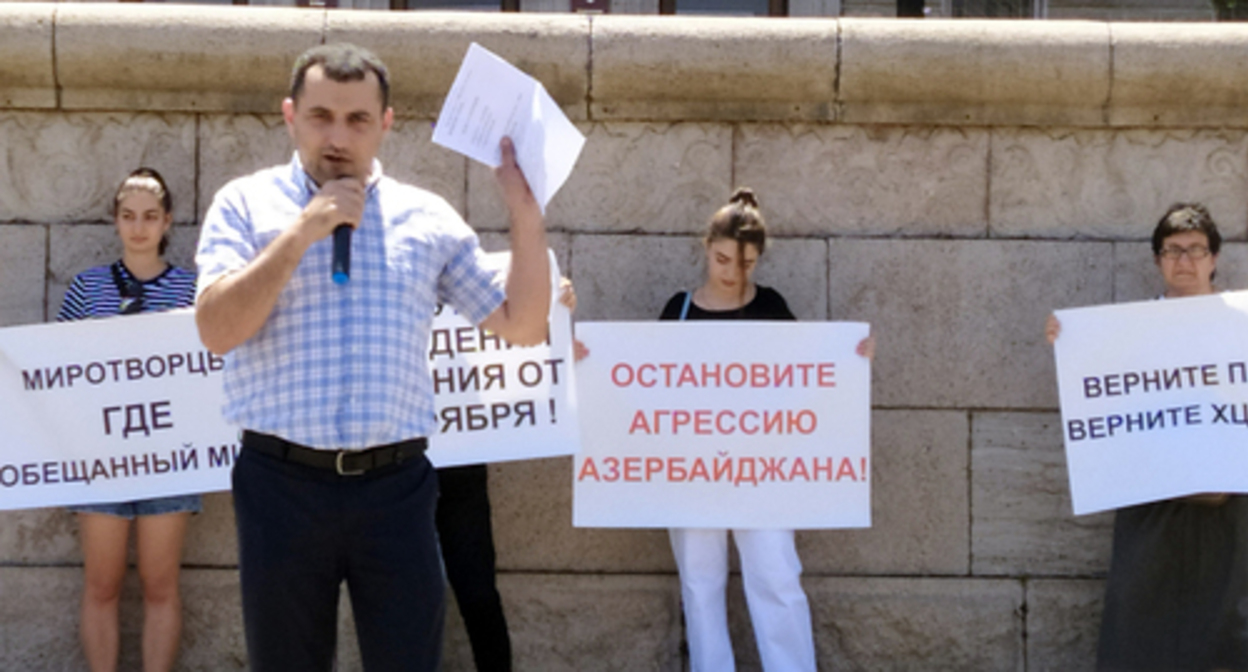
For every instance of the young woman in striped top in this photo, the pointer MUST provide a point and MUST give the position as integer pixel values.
(141, 281)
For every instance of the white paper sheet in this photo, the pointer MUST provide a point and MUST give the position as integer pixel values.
(491, 99)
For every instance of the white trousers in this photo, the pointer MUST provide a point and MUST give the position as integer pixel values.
(771, 573)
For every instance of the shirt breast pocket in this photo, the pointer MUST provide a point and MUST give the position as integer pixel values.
(410, 277)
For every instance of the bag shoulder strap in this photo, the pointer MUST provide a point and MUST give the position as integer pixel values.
(120, 282)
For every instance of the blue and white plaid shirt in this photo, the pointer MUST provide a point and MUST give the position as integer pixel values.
(344, 366)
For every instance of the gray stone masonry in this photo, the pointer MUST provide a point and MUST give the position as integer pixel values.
(949, 182)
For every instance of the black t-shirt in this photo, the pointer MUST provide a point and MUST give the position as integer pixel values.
(766, 305)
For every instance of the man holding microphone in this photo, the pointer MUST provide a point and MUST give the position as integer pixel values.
(329, 380)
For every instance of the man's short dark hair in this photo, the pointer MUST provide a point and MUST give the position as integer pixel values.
(1184, 217)
(341, 62)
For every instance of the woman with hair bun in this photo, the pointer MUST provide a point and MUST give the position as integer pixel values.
(140, 282)
(770, 568)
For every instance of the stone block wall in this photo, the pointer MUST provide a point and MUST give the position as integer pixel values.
(949, 182)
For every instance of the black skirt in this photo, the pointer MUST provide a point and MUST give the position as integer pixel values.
(1177, 594)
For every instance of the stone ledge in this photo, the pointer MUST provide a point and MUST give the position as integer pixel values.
(979, 73)
(1179, 74)
(713, 68)
(423, 51)
(974, 72)
(27, 76)
(178, 57)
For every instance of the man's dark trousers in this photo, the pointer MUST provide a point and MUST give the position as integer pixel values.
(303, 530)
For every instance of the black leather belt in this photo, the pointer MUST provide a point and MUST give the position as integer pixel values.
(344, 462)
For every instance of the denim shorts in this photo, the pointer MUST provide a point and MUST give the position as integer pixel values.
(144, 507)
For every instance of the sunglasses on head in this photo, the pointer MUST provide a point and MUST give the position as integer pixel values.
(131, 297)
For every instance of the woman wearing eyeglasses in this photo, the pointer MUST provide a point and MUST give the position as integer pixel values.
(141, 281)
(1177, 593)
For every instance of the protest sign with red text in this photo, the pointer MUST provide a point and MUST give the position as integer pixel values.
(714, 424)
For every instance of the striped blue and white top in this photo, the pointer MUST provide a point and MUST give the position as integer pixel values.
(94, 293)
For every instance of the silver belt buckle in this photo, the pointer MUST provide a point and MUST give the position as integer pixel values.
(340, 469)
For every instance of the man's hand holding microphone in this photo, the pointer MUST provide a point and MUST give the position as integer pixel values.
(337, 208)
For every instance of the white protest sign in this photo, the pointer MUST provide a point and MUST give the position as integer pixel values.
(490, 99)
(110, 410)
(723, 424)
(1154, 399)
(128, 408)
(495, 402)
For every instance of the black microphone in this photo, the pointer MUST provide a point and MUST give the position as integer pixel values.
(342, 254)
